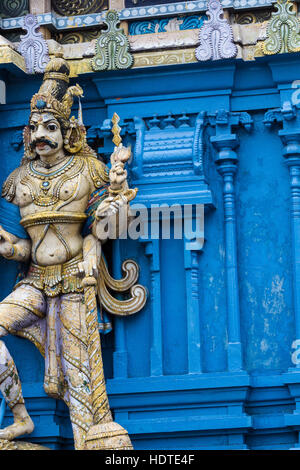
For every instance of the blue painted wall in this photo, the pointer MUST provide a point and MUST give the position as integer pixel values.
(171, 372)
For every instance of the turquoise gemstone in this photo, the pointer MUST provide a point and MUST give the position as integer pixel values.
(45, 184)
(40, 104)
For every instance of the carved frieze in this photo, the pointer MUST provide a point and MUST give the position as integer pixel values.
(250, 17)
(163, 25)
(164, 40)
(78, 7)
(76, 37)
(13, 8)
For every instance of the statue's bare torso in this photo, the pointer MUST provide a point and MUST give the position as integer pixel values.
(72, 195)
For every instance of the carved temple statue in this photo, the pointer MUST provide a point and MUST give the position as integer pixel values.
(58, 201)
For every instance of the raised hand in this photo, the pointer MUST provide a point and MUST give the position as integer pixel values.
(118, 174)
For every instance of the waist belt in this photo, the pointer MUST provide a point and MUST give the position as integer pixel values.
(56, 279)
(50, 217)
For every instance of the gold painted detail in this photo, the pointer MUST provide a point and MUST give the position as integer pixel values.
(48, 217)
(20, 303)
(48, 194)
(138, 293)
(77, 364)
(20, 445)
(116, 129)
(98, 172)
(9, 185)
(56, 279)
(107, 436)
(150, 59)
(100, 403)
(9, 55)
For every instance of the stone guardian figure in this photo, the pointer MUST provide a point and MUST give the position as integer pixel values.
(58, 201)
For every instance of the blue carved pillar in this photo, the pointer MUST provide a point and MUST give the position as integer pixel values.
(226, 161)
(289, 116)
(156, 352)
(227, 166)
(191, 266)
(291, 152)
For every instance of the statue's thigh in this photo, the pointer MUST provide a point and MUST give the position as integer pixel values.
(22, 308)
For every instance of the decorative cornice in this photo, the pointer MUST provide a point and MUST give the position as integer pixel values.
(174, 39)
(9, 56)
(94, 19)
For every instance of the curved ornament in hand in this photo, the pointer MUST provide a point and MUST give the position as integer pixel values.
(131, 270)
(122, 307)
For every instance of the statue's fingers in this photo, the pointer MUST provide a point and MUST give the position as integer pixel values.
(81, 268)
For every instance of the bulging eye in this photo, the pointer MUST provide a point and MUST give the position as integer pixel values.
(32, 127)
(52, 127)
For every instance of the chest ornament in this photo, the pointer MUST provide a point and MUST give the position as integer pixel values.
(47, 192)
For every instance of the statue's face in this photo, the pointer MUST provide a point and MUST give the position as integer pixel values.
(46, 137)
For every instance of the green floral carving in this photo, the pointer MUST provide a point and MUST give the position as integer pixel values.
(283, 30)
(112, 46)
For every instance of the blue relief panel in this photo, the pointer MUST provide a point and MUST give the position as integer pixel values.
(166, 24)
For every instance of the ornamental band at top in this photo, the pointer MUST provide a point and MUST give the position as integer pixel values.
(64, 195)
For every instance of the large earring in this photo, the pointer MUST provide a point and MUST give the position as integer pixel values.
(75, 137)
(28, 152)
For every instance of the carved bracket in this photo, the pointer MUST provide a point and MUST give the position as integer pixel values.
(216, 36)
(112, 47)
(283, 31)
(33, 46)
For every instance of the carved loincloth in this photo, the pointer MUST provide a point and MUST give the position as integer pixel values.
(56, 279)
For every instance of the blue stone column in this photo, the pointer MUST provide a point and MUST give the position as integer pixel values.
(291, 153)
(226, 161)
(289, 116)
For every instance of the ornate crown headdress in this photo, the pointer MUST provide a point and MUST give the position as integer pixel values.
(54, 95)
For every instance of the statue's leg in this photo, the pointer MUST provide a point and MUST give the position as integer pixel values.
(10, 387)
(75, 364)
(12, 319)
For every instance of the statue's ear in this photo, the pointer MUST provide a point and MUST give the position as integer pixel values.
(75, 137)
(28, 152)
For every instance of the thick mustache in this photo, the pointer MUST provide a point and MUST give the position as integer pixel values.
(43, 140)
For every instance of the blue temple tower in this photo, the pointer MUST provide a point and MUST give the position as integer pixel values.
(208, 96)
